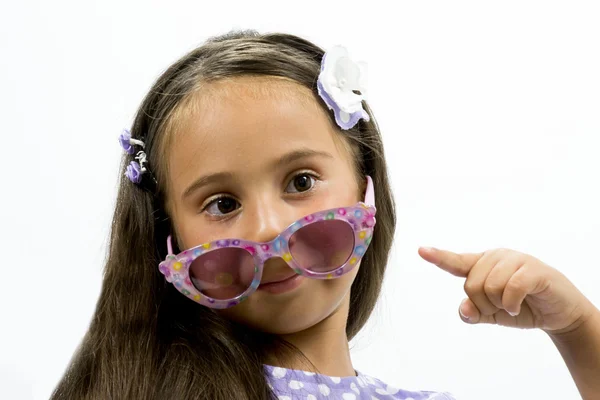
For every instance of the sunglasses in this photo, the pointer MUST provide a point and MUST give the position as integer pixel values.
(324, 245)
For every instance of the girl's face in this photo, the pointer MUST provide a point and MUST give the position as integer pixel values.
(256, 155)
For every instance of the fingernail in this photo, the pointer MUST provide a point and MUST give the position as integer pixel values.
(461, 312)
(512, 314)
(429, 249)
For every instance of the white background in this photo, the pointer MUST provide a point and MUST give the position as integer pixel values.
(490, 115)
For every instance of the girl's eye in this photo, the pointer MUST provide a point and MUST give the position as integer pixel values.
(300, 183)
(222, 206)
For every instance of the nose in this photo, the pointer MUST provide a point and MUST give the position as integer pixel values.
(269, 224)
(276, 270)
(266, 220)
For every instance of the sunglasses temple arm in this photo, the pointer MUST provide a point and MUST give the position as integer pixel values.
(169, 246)
(370, 192)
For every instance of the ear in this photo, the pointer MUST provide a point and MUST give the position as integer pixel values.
(176, 242)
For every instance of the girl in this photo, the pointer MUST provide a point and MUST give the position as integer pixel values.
(251, 235)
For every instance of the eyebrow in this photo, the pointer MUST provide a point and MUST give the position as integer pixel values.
(300, 154)
(206, 180)
(287, 158)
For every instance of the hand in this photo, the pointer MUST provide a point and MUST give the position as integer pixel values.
(513, 289)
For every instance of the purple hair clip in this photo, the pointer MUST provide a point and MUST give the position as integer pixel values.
(127, 142)
(135, 169)
(134, 172)
(342, 85)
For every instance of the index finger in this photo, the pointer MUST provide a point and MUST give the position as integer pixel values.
(457, 264)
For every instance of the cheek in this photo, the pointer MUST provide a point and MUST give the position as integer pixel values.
(189, 233)
(346, 280)
(333, 292)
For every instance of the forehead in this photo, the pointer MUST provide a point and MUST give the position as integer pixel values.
(239, 125)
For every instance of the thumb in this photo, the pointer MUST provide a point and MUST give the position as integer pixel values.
(468, 312)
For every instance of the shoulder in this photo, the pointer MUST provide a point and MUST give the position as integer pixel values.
(390, 392)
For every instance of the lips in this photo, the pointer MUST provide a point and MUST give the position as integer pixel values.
(282, 286)
(277, 280)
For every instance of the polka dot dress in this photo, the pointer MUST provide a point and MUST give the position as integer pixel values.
(291, 384)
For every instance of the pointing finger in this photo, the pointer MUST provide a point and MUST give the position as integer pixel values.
(456, 264)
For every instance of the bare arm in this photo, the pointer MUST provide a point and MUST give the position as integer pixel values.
(580, 348)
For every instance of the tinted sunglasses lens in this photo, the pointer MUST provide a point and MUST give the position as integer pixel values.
(223, 274)
(322, 246)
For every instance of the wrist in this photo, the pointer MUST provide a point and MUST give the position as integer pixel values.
(586, 326)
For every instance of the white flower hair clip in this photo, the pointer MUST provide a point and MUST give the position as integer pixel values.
(342, 85)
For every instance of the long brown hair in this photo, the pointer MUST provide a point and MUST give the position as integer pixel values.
(146, 340)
